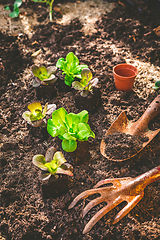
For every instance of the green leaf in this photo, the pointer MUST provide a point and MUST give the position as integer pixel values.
(43, 70)
(17, 3)
(69, 137)
(157, 84)
(59, 158)
(83, 116)
(39, 161)
(15, 13)
(52, 129)
(6, 7)
(72, 60)
(72, 118)
(58, 117)
(69, 145)
(84, 131)
(92, 134)
(60, 63)
(52, 167)
(79, 68)
(68, 80)
(36, 116)
(62, 130)
(35, 106)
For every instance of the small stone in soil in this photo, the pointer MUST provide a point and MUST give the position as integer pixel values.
(122, 146)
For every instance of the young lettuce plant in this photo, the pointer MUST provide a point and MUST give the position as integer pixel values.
(52, 164)
(86, 84)
(69, 128)
(43, 75)
(15, 12)
(157, 85)
(70, 67)
(35, 117)
(48, 2)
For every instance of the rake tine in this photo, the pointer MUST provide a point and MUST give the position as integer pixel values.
(100, 214)
(91, 204)
(115, 181)
(105, 181)
(127, 208)
(83, 195)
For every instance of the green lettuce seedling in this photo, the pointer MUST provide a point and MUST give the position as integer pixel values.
(69, 128)
(35, 117)
(53, 163)
(43, 75)
(157, 85)
(15, 12)
(70, 67)
(48, 2)
(86, 84)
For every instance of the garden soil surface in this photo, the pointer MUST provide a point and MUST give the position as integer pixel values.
(32, 209)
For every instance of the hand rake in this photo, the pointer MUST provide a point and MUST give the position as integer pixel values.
(130, 190)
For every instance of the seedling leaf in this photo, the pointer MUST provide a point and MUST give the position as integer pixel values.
(69, 145)
(59, 158)
(69, 128)
(35, 106)
(50, 154)
(39, 161)
(6, 7)
(44, 176)
(83, 116)
(70, 67)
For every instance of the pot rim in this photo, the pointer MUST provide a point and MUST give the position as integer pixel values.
(126, 66)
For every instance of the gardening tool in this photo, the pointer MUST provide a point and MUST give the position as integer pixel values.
(140, 127)
(130, 190)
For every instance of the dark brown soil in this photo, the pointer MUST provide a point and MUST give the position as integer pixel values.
(122, 146)
(37, 210)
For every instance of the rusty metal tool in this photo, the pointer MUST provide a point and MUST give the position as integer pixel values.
(140, 127)
(130, 190)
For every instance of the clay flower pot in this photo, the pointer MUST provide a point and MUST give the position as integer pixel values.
(124, 76)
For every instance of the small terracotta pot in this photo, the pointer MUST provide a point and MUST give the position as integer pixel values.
(124, 76)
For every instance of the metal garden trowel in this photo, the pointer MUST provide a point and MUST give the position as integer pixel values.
(140, 127)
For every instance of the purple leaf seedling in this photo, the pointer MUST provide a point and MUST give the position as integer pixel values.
(35, 117)
(52, 164)
(86, 84)
(43, 75)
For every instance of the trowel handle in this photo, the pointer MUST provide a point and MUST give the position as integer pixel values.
(152, 110)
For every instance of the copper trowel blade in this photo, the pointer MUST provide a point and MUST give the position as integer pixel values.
(123, 125)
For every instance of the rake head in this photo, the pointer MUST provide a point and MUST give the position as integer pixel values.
(130, 190)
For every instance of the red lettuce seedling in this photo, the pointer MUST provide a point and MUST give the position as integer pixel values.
(86, 84)
(43, 75)
(53, 163)
(70, 67)
(35, 117)
(69, 127)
